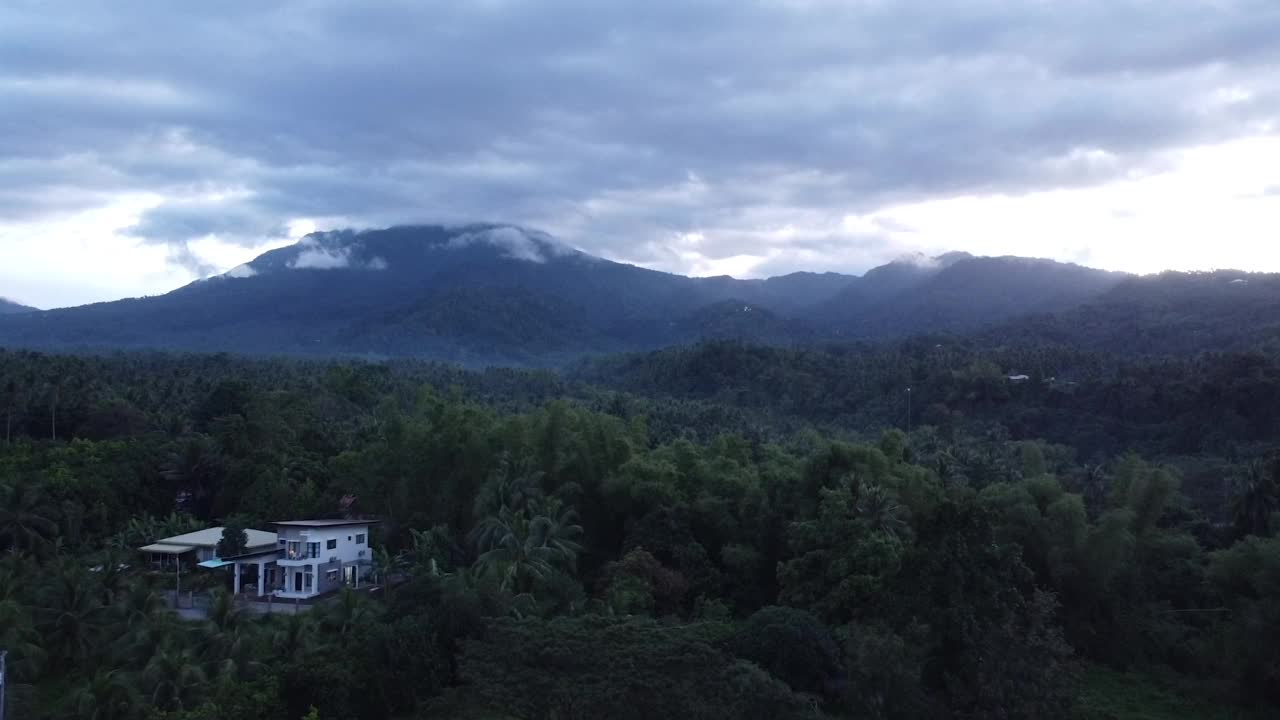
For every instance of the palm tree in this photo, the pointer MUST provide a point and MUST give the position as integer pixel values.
(173, 676)
(111, 575)
(228, 645)
(348, 611)
(519, 549)
(140, 625)
(69, 616)
(1095, 484)
(385, 564)
(881, 509)
(193, 470)
(293, 638)
(1257, 498)
(515, 484)
(18, 632)
(107, 695)
(559, 527)
(25, 518)
(224, 614)
(138, 605)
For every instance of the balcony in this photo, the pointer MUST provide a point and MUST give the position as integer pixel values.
(295, 555)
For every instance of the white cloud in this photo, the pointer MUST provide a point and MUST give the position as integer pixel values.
(321, 259)
(318, 253)
(1208, 210)
(241, 272)
(517, 243)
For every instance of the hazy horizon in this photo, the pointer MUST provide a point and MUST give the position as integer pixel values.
(903, 257)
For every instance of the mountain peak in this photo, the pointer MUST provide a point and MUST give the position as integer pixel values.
(926, 262)
(408, 248)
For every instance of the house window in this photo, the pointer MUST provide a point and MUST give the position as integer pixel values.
(313, 549)
(331, 576)
(308, 579)
(332, 544)
(360, 539)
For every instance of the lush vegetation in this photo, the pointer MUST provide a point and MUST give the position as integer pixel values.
(728, 532)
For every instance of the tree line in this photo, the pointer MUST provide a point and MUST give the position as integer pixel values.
(573, 551)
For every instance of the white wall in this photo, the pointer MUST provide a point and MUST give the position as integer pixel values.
(347, 551)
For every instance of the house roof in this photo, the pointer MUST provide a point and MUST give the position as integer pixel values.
(324, 523)
(166, 549)
(254, 553)
(209, 537)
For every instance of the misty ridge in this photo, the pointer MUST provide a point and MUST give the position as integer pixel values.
(487, 294)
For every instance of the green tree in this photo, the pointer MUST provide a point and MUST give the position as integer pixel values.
(594, 667)
(520, 548)
(105, 695)
(1256, 498)
(794, 646)
(234, 541)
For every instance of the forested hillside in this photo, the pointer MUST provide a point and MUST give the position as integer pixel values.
(1166, 314)
(957, 293)
(732, 532)
(489, 294)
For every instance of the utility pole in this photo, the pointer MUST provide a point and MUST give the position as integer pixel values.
(908, 419)
(3, 684)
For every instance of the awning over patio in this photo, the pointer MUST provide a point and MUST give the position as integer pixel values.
(166, 549)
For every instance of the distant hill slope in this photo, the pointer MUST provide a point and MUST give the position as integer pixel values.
(475, 294)
(8, 307)
(957, 293)
(1166, 314)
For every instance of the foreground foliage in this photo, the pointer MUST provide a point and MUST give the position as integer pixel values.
(560, 551)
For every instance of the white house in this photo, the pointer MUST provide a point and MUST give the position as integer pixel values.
(314, 557)
(301, 560)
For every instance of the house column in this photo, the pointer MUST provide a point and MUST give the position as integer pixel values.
(262, 578)
(237, 584)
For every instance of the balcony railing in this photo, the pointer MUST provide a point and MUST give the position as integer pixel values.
(302, 553)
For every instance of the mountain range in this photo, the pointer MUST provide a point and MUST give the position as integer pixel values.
(500, 294)
(8, 307)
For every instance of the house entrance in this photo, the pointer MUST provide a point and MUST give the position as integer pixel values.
(297, 582)
(349, 575)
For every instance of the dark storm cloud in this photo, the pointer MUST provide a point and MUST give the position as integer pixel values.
(620, 126)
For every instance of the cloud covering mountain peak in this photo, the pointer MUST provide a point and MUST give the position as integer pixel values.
(515, 242)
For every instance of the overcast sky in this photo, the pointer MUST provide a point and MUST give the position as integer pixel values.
(144, 144)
